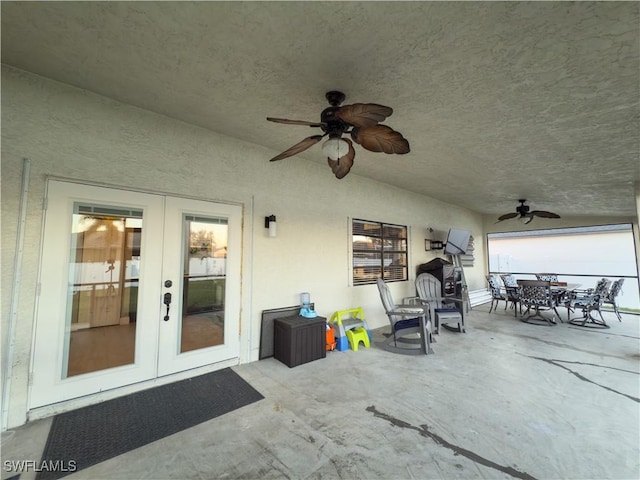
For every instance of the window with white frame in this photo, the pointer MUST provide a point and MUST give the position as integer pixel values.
(379, 250)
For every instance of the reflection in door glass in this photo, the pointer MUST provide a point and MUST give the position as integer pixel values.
(203, 294)
(103, 288)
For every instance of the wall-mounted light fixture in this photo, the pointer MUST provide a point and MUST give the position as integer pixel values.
(433, 244)
(270, 223)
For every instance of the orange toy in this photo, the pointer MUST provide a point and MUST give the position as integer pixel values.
(331, 338)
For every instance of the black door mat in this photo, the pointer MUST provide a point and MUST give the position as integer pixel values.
(93, 434)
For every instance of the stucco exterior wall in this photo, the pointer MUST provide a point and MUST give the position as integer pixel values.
(69, 133)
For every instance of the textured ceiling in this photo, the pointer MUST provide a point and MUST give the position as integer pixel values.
(499, 101)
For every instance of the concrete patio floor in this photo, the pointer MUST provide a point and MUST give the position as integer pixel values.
(505, 400)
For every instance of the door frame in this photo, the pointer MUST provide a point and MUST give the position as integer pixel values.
(42, 410)
(170, 360)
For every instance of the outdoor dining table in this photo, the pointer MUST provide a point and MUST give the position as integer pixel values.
(565, 286)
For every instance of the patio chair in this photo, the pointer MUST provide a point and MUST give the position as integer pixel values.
(611, 295)
(509, 280)
(410, 325)
(513, 291)
(547, 277)
(588, 301)
(496, 293)
(429, 291)
(559, 294)
(536, 295)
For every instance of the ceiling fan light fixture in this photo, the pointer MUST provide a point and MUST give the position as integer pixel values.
(335, 148)
(525, 219)
(360, 120)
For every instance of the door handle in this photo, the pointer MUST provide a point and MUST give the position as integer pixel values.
(167, 302)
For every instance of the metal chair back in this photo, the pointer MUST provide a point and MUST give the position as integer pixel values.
(536, 295)
(496, 292)
(509, 280)
(547, 277)
(610, 298)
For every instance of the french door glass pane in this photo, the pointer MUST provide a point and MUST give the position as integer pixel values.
(103, 288)
(204, 281)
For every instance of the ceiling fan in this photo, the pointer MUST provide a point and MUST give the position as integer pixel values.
(360, 120)
(525, 215)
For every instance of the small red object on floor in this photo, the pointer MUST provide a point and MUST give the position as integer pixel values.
(331, 338)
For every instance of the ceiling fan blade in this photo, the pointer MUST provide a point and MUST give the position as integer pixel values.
(298, 147)
(363, 114)
(380, 138)
(342, 166)
(542, 213)
(507, 216)
(295, 122)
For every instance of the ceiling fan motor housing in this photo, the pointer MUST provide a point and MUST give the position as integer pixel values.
(522, 209)
(334, 126)
(331, 123)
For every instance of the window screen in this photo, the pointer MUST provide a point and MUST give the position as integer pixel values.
(605, 251)
(580, 255)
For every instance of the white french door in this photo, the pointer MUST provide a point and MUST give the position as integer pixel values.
(133, 286)
(205, 277)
